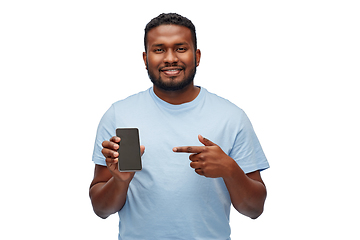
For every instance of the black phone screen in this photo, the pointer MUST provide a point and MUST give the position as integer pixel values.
(129, 150)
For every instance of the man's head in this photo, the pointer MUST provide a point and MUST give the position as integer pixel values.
(167, 19)
(171, 55)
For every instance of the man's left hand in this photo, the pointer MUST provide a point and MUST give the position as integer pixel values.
(208, 160)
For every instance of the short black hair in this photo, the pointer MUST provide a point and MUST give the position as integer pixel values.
(168, 19)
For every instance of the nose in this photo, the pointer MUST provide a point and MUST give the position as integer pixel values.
(170, 57)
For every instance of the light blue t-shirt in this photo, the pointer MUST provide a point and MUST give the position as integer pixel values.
(167, 199)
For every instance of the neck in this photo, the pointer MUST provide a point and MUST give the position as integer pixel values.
(187, 94)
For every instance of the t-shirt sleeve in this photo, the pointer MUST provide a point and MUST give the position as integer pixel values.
(105, 131)
(247, 151)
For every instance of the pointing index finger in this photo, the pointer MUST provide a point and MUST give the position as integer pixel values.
(189, 149)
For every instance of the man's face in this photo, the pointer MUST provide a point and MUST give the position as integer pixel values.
(171, 59)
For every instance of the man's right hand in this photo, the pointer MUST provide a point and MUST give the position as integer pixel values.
(111, 157)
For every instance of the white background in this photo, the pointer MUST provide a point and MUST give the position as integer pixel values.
(293, 66)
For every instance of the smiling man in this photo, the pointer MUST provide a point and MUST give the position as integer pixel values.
(171, 59)
(188, 182)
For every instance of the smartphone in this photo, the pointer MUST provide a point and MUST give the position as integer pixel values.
(129, 150)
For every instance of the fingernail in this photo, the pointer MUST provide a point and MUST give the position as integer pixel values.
(175, 149)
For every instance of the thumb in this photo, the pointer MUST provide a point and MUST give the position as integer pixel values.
(206, 141)
(142, 149)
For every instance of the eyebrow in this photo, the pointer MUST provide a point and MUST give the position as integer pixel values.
(183, 43)
(176, 44)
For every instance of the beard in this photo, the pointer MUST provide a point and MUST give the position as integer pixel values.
(172, 85)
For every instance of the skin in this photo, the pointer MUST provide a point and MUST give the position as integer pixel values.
(171, 58)
(170, 47)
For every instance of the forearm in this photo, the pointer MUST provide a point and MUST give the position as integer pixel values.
(108, 197)
(247, 195)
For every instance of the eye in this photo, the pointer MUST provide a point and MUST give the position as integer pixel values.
(181, 49)
(158, 50)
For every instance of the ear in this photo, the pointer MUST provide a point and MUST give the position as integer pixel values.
(198, 55)
(144, 58)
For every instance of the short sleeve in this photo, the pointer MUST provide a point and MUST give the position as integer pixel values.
(247, 151)
(105, 131)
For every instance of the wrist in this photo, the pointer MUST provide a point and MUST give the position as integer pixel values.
(121, 181)
(233, 171)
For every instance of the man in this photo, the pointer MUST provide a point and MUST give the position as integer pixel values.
(188, 182)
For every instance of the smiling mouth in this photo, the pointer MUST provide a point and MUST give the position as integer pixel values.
(171, 71)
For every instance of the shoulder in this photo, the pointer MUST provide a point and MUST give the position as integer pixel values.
(222, 104)
(133, 99)
(126, 105)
